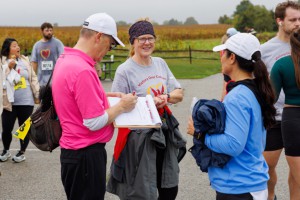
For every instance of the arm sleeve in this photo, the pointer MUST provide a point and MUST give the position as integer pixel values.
(60, 47)
(276, 79)
(171, 78)
(233, 140)
(96, 123)
(34, 83)
(33, 57)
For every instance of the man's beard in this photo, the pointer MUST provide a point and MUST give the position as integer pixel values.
(290, 31)
(48, 37)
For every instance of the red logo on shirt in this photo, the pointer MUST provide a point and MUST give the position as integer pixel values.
(45, 53)
(156, 89)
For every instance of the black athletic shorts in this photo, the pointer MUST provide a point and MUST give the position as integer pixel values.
(274, 138)
(290, 127)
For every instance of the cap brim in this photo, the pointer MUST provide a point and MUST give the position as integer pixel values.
(118, 41)
(219, 48)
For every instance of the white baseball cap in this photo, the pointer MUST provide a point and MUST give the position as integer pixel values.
(231, 31)
(103, 23)
(241, 44)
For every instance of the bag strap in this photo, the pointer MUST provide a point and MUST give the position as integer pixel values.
(48, 85)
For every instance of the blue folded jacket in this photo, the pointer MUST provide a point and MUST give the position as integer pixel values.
(209, 118)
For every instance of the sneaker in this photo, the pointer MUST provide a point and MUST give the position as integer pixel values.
(4, 156)
(19, 157)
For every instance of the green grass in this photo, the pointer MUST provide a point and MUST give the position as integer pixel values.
(182, 69)
(203, 44)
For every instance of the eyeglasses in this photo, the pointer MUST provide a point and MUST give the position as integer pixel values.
(144, 39)
(112, 46)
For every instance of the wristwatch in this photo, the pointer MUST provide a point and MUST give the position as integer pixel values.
(168, 96)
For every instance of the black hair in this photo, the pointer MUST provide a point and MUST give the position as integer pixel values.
(46, 25)
(262, 81)
(6, 46)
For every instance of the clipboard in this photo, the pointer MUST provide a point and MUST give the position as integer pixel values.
(144, 115)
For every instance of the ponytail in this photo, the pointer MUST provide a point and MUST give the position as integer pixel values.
(131, 51)
(265, 89)
(263, 84)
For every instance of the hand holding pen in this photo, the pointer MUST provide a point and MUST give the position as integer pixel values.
(128, 101)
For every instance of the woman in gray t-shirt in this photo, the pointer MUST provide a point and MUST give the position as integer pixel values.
(143, 74)
(22, 83)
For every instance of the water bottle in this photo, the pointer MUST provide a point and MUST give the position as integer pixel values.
(194, 101)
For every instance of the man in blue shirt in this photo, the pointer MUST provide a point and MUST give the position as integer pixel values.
(45, 53)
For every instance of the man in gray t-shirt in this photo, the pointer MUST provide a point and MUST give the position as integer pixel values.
(287, 16)
(271, 51)
(44, 53)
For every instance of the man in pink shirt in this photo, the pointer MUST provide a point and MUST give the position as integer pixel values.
(83, 110)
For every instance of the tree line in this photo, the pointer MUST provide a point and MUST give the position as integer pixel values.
(245, 17)
(188, 21)
(248, 16)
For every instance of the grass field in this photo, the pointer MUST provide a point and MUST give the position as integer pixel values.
(203, 64)
(182, 69)
(198, 69)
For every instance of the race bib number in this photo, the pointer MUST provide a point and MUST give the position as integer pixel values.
(23, 129)
(21, 84)
(47, 65)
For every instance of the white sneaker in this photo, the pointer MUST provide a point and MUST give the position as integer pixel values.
(19, 157)
(4, 156)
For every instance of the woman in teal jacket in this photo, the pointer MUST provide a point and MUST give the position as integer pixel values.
(249, 111)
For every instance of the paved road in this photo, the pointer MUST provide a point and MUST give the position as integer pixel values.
(39, 176)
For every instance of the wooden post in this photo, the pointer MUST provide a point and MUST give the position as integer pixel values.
(190, 54)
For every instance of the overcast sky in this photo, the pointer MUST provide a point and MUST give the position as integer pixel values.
(73, 12)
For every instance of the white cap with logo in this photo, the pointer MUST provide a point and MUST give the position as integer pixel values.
(241, 44)
(103, 23)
